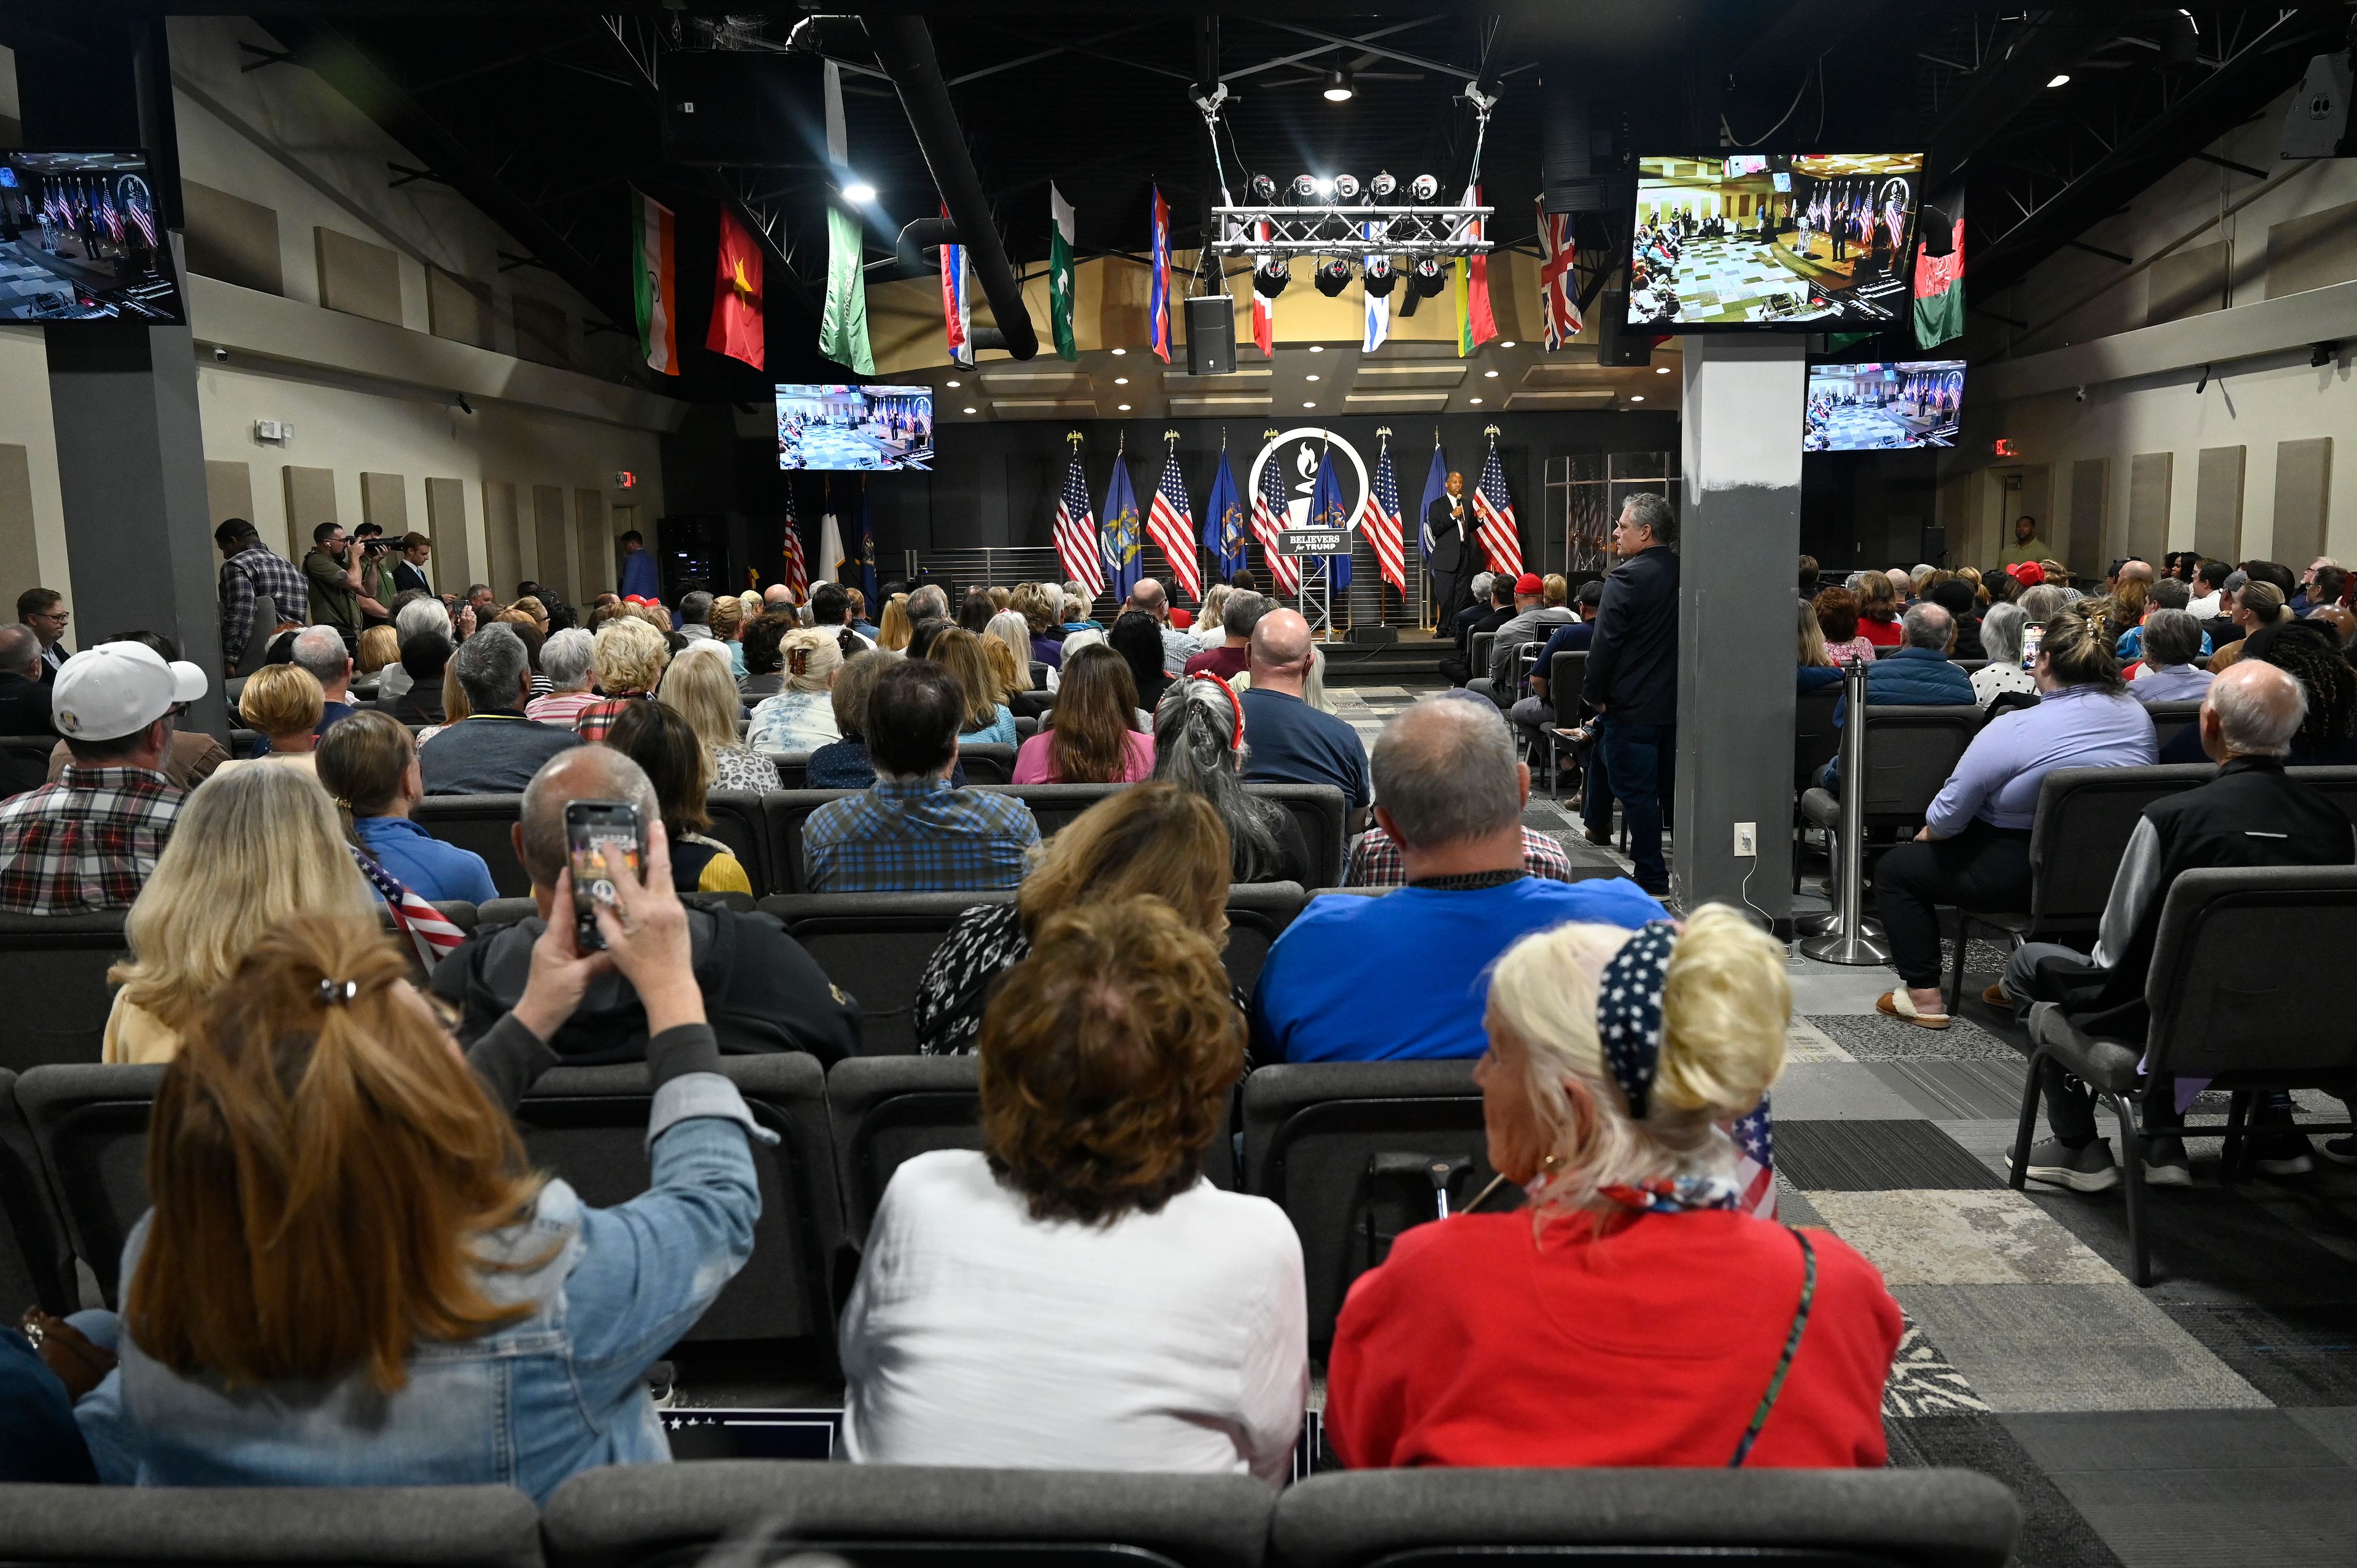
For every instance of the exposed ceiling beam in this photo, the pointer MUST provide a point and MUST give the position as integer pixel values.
(1444, 68)
(1049, 52)
(2048, 43)
(1361, 40)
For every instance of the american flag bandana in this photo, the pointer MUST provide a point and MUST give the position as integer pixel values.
(428, 930)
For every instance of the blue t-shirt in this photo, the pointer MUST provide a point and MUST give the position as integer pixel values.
(426, 866)
(1405, 975)
(1293, 742)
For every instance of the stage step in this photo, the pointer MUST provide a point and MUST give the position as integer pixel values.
(1405, 663)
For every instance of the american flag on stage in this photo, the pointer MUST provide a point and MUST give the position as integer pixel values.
(1076, 531)
(429, 930)
(142, 216)
(1170, 523)
(1558, 291)
(1380, 521)
(1755, 1161)
(1493, 512)
(797, 563)
(109, 214)
(1271, 509)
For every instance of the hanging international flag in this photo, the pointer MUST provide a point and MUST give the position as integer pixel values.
(1475, 324)
(1060, 274)
(1940, 280)
(830, 546)
(1435, 485)
(842, 324)
(1379, 520)
(1076, 529)
(1170, 523)
(957, 312)
(1157, 281)
(1271, 512)
(1558, 282)
(867, 556)
(1493, 513)
(1264, 308)
(1327, 511)
(1223, 521)
(657, 291)
(1123, 557)
(1379, 305)
(797, 575)
(736, 326)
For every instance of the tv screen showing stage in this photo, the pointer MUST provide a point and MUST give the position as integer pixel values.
(1820, 241)
(1883, 408)
(80, 240)
(865, 429)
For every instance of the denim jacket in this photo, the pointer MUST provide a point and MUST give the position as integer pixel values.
(526, 1405)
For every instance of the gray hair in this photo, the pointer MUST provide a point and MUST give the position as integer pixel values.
(1196, 747)
(2172, 637)
(320, 650)
(491, 665)
(419, 617)
(2234, 581)
(696, 608)
(2042, 603)
(1481, 583)
(581, 773)
(2258, 715)
(2001, 632)
(1648, 511)
(1445, 770)
(1927, 625)
(1242, 613)
(567, 659)
(2169, 593)
(20, 650)
(929, 600)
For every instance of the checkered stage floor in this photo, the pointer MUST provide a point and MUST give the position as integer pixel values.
(1860, 429)
(1733, 280)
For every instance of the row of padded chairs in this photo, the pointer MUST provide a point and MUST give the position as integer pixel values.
(765, 830)
(672, 1516)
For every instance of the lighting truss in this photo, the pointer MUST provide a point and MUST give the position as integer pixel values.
(1275, 229)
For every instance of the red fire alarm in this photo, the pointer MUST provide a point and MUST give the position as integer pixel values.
(624, 480)
(2006, 448)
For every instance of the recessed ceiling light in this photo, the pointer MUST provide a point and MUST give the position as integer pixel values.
(1125, 407)
(1312, 376)
(1318, 348)
(1119, 352)
(1477, 400)
(971, 409)
(1121, 380)
(1508, 343)
(2061, 78)
(1312, 403)
(1490, 375)
(1660, 370)
(1638, 398)
(859, 191)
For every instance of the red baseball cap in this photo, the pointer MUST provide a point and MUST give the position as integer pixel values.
(1528, 586)
(2029, 574)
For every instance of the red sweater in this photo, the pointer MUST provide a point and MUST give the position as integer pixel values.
(1476, 1344)
(1882, 633)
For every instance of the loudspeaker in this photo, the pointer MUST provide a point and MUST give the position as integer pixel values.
(2317, 123)
(1615, 344)
(1935, 544)
(730, 107)
(1373, 636)
(1211, 335)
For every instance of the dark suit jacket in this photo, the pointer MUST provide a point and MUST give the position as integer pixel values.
(1450, 549)
(24, 707)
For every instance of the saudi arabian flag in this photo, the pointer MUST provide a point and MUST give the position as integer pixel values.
(658, 283)
(1060, 274)
(842, 327)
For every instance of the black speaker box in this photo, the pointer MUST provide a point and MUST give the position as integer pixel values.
(1615, 343)
(1373, 636)
(1211, 335)
(733, 108)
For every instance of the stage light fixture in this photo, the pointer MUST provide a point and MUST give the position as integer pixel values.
(1304, 191)
(1324, 186)
(1424, 189)
(1382, 187)
(1379, 277)
(2060, 79)
(1333, 277)
(1269, 282)
(1427, 278)
(1346, 188)
(1263, 189)
(859, 192)
(1338, 87)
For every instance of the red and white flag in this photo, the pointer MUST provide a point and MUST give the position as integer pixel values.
(429, 930)
(1076, 530)
(1170, 523)
(1272, 511)
(1380, 521)
(1493, 512)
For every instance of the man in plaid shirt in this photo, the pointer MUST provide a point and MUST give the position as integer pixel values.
(1376, 862)
(88, 842)
(912, 832)
(249, 567)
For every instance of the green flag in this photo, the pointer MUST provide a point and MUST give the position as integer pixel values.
(1060, 274)
(843, 328)
(1940, 280)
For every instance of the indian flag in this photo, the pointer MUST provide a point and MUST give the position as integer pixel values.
(658, 283)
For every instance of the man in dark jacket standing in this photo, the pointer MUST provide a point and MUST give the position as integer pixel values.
(1449, 522)
(1632, 677)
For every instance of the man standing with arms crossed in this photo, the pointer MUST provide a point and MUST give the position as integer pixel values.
(1632, 677)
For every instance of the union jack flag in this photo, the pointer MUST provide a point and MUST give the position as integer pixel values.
(1170, 522)
(1382, 521)
(429, 930)
(1272, 507)
(797, 563)
(1493, 512)
(1076, 531)
(1755, 1161)
(1558, 297)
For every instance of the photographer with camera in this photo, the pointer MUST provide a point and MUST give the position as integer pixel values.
(344, 582)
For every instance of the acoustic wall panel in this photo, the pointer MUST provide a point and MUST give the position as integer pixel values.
(385, 501)
(20, 552)
(358, 278)
(540, 332)
(2303, 500)
(2148, 493)
(2089, 494)
(228, 491)
(231, 239)
(2314, 250)
(310, 501)
(555, 566)
(2218, 502)
(2191, 281)
(452, 567)
(593, 548)
(502, 536)
(458, 309)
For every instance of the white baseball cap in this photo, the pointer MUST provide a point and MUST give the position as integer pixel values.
(118, 688)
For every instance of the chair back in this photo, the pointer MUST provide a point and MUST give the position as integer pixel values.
(1816, 739)
(36, 1262)
(1026, 727)
(991, 762)
(1318, 811)
(1566, 674)
(2084, 818)
(1477, 650)
(2169, 718)
(1259, 913)
(1039, 675)
(90, 1125)
(61, 960)
(1909, 752)
(319, 1526)
(479, 822)
(258, 637)
(2236, 965)
(793, 769)
(875, 946)
(2338, 785)
(737, 822)
(1031, 704)
(25, 762)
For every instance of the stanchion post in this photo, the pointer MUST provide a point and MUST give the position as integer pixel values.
(1849, 943)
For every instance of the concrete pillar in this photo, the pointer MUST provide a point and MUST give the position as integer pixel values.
(1740, 542)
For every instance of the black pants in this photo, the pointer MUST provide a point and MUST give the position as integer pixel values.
(1983, 867)
(1643, 761)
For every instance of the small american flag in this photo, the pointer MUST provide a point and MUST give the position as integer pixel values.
(1076, 531)
(1755, 1161)
(1559, 300)
(429, 930)
(142, 216)
(1380, 521)
(1170, 522)
(1493, 511)
(797, 563)
(1271, 509)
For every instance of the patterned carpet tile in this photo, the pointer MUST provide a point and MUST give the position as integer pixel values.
(1836, 1091)
(2295, 1355)
(1923, 1381)
(2074, 1347)
(2211, 1243)
(1985, 1237)
(1875, 1156)
(1804, 1042)
(1872, 1037)
(2054, 1534)
(1945, 1088)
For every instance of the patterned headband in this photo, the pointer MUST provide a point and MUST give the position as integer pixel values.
(1628, 1010)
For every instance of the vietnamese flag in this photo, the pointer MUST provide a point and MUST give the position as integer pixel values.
(736, 329)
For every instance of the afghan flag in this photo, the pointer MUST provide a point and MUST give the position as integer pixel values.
(1157, 279)
(1940, 280)
(736, 328)
(1475, 324)
(843, 325)
(1060, 274)
(658, 283)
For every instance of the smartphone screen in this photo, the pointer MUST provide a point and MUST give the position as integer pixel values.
(603, 839)
(2032, 638)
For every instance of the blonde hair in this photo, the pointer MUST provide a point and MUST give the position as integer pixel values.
(630, 657)
(282, 699)
(1725, 1004)
(1555, 588)
(1001, 659)
(380, 646)
(959, 651)
(1812, 638)
(892, 631)
(810, 658)
(1014, 632)
(727, 616)
(254, 849)
(701, 690)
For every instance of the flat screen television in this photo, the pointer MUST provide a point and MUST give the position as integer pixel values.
(865, 429)
(80, 240)
(1883, 408)
(1814, 242)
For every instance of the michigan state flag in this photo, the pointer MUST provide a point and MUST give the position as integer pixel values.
(1125, 563)
(1223, 521)
(1060, 274)
(1327, 511)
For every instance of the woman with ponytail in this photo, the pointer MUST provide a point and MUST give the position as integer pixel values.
(1635, 1313)
(351, 1277)
(1198, 745)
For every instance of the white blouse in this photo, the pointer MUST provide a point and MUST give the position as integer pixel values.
(1174, 1341)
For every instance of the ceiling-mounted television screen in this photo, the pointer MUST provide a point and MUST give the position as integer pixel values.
(1818, 241)
(1883, 408)
(80, 240)
(867, 429)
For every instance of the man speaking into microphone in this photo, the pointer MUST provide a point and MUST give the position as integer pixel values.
(1452, 554)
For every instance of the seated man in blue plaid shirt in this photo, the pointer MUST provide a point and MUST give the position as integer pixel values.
(912, 832)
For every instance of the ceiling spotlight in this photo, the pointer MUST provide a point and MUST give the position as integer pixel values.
(1378, 276)
(1304, 191)
(1427, 278)
(859, 192)
(1424, 189)
(1117, 353)
(1338, 87)
(1475, 401)
(1490, 375)
(1333, 276)
(971, 409)
(1310, 376)
(1311, 403)
(953, 384)
(1660, 370)
(1382, 187)
(1263, 189)
(1638, 398)
(1121, 380)
(1507, 343)
(1123, 407)
(1318, 348)
(1268, 281)
(2060, 79)
(1346, 188)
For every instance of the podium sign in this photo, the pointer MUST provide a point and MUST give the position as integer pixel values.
(1299, 542)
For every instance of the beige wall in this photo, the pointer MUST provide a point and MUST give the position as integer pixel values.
(25, 422)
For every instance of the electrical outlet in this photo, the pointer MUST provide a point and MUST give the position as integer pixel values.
(1747, 839)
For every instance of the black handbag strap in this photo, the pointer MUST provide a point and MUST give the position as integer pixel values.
(1791, 1348)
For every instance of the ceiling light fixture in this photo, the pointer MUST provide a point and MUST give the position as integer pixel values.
(1121, 380)
(1124, 408)
(1660, 370)
(1477, 400)
(1311, 376)
(1490, 375)
(1638, 398)
(1312, 403)
(1117, 353)
(1507, 343)
(971, 409)
(1318, 348)
(953, 384)
(859, 192)
(1338, 87)
(2060, 79)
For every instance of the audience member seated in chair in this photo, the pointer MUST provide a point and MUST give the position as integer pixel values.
(1636, 1314)
(253, 851)
(1091, 735)
(699, 688)
(1292, 742)
(565, 660)
(764, 662)
(762, 991)
(88, 842)
(2171, 641)
(1362, 979)
(1151, 841)
(800, 717)
(1536, 619)
(988, 720)
(2311, 652)
(495, 750)
(659, 741)
(40, 1442)
(2252, 814)
(1229, 652)
(911, 830)
(192, 756)
(283, 702)
(417, 700)
(1818, 670)
(628, 658)
(1573, 636)
(1974, 849)
(24, 695)
(320, 650)
(1916, 674)
(1478, 617)
(1075, 1295)
(1199, 746)
(368, 764)
(842, 764)
(427, 1309)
